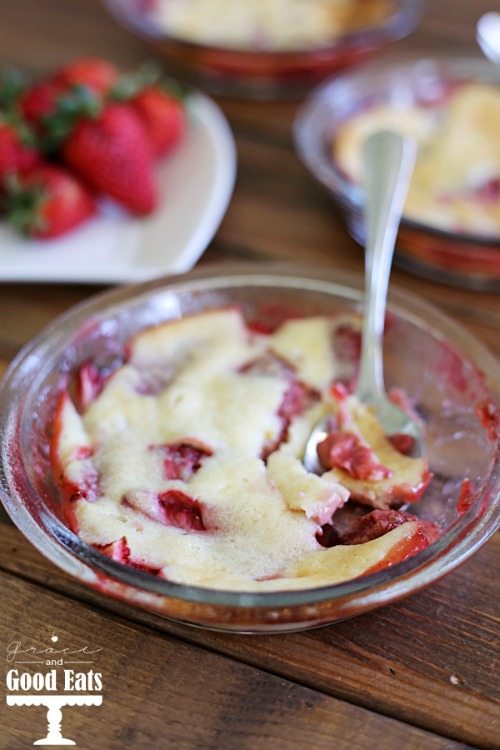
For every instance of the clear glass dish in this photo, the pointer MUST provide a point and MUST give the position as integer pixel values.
(451, 388)
(261, 73)
(451, 257)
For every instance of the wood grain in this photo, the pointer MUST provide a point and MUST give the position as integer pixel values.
(161, 692)
(431, 661)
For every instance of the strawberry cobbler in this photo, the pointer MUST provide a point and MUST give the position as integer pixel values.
(456, 182)
(186, 460)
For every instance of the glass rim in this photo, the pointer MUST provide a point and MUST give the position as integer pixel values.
(69, 552)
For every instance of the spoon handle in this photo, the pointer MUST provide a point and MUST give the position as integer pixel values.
(388, 165)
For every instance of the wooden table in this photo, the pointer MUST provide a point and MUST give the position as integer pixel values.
(418, 674)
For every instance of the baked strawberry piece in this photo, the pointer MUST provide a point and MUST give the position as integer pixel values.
(183, 459)
(373, 466)
(72, 456)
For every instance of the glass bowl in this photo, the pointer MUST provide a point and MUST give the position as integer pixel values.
(451, 394)
(451, 257)
(257, 72)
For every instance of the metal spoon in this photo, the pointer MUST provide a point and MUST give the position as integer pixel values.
(388, 164)
(488, 35)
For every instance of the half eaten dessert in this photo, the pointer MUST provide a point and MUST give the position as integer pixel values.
(186, 460)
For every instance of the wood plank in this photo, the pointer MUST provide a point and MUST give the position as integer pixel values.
(430, 660)
(160, 692)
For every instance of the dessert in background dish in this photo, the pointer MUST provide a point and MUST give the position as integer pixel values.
(264, 48)
(268, 24)
(456, 183)
(185, 458)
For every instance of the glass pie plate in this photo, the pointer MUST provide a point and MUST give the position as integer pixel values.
(451, 388)
(452, 257)
(257, 71)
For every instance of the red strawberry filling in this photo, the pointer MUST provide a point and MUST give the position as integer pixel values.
(344, 450)
(466, 496)
(489, 192)
(486, 193)
(89, 384)
(347, 344)
(340, 389)
(182, 459)
(171, 508)
(271, 316)
(119, 551)
(372, 526)
(297, 399)
(91, 379)
(489, 416)
(181, 511)
(402, 443)
(85, 451)
(88, 489)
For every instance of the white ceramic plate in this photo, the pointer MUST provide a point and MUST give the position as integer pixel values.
(195, 185)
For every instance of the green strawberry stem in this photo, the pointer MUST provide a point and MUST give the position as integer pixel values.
(12, 84)
(22, 205)
(24, 132)
(77, 104)
(148, 74)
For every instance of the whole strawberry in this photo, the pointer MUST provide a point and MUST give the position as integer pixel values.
(163, 117)
(46, 201)
(111, 152)
(39, 102)
(96, 74)
(17, 151)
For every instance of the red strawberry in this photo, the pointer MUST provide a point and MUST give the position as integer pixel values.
(39, 102)
(163, 116)
(112, 153)
(15, 152)
(47, 201)
(96, 74)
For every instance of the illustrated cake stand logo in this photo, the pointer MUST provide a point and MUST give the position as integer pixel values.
(18, 653)
(54, 704)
